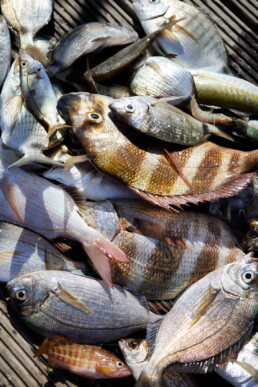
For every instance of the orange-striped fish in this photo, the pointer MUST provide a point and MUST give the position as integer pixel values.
(84, 360)
(191, 175)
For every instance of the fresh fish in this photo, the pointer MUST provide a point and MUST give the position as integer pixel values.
(27, 17)
(89, 182)
(88, 38)
(195, 41)
(248, 128)
(122, 59)
(35, 203)
(243, 371)
(179, 248)
(5, 44)
(160, 77)
(84, 360)
(203, 172)
(83, 309)
(208, 322)
(162, 120)
(23, 251)
(135, 352)
(225, 91)
(38, 93)
(20, 130)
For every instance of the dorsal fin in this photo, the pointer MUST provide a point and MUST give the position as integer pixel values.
(152, 331)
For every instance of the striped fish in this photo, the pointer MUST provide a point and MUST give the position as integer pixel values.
(179, 248)
(84, 360)
(191, 175)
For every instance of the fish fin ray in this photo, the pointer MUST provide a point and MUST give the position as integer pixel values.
(69, 297)
(152, 331)
(175, 163)
(42, 349)
(9, 191)
(54, 128)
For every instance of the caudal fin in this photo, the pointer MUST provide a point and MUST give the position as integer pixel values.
(100, 252)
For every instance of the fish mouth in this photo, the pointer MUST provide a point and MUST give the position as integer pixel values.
(141, 12)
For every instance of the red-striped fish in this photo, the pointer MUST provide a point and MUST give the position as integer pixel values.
(191, 175)
(84, 360)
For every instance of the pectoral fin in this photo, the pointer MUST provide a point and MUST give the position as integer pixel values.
(172, 158)
(10, 193)
(207, 299)
(70, 298)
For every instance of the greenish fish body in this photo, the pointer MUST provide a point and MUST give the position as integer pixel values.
(23, 251)
(195, 41)
(225, 91)
(88, 38)
(83, 309)
(208, 322)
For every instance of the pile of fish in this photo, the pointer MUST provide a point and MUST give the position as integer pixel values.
(104, 170)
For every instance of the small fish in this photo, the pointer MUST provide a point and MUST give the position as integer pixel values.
(83, 309)
(122, 59)
(208, 322)
(5, 44)
(22, 195)
(135, 352)
(23, 251)
(90, 37)
(243, 371)
(225, 91)
(179, 248)
(203, 172)
(195, 41)
(38, 93)
(160, 77)
(84, 360)
(27, 17)
(162, 120)
(20, 130)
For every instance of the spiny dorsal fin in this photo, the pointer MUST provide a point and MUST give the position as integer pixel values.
(43, 348)
(152, 331)
(70, 298)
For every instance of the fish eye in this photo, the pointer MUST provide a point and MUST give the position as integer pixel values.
(119, 364)
(23, 64)
(21, 295)
(253, 233)
(95, 117)
(154, 1)
(133, 344)
(130, 108)
(248, 277)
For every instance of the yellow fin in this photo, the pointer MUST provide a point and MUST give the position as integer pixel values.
(42, 349)
(67, 296)
(207, 299)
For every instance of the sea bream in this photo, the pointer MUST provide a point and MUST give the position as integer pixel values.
(207, 324)
(87, 38)
(195, 41)
(203, 172)
(83, 309)
(23, 251)
(167, 251)
(33, 202)
(87, 361)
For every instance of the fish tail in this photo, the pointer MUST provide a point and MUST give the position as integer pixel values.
(43, 348)
(100, 252)
(34, 158)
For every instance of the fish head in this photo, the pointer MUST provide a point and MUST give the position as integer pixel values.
(252, 236)
(134, 350)
(28, 293)
(130, 109)
(29, 65)
(241, 278)
(88, 114)
(114, 368)
(150, 9)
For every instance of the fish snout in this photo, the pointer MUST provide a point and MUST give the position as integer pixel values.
(69, 106)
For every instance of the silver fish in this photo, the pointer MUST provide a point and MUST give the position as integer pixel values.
(195, 41)
(136, 351)
(83, 309)
(243, 371)
(20, 130)
(38, 93)
(5, 44)
(208, 322)
(88, 38)
(23, 251)
(160, 77)
(27, 17)
(89, 182)
(23, 195)
(162, 120)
